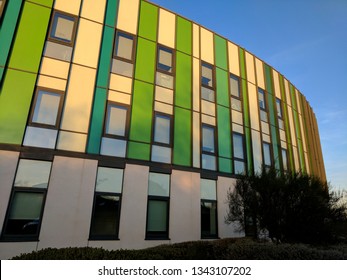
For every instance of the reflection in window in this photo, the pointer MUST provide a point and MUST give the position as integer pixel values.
(261, 98)
(25, 209)
(267, 154)
(161, 150)
(158, 206)
(165, 69)
(107, 201)
(63, 28)
(207, 82)
(239, 153)
(284, 160)
(208, 147)
(279, 108)
(208, 209)
(234, 86)
(123, 54)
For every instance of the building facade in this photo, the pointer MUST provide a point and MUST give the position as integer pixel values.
(124, 125)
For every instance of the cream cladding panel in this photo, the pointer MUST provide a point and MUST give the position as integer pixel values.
(250, 68)
(196, 85)
(68, 6)
(234, 61)
(128, 12)
(253, 106)
(196, 41)
(257, 155)
(167, 28)
(94, 10)
(53, 83)
(276, 84)
(260, 73)
(207, 49)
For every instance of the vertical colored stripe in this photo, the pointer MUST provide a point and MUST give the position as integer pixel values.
(182, 148)
(221, 52)
(148, 21)
(145, 60)
(183, 94)
(224, 138)
(223, 97)
(184, 35)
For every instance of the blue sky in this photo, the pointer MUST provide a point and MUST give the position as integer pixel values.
(305, 40)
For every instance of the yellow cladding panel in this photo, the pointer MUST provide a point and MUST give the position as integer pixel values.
(70, 141)
(260, 73)
(257, 154)
(298, 101)
(53, 83)
(207, 49)
(237, 128)
(208, 108)
(87, 43)
(163, 108)
(291, 125)
(250, 68)
(68, 6)
(208, 120)
(196, 139)
(167, 28)
(307, 164)
(55, 68)
(234, 61)
(296, 159)
(120, 83)
(128, 12)
(120, 97)
(94, 10)
(253, 106)
(286, 89)
(79, 99)
(196, 41)
(276, 84)
(196, 85)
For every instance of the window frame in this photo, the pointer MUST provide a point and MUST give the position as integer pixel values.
(208, 236)
(213, 88)
(127, 121)
(279, 109)
(166, 116)
(74, 30)
(173, 64)
(127, 35)
(236, 78)
(214, 139)
(270, 154)
(243, 151)
(59, 113)
(2, 8)
(262, 92)
(283, 150)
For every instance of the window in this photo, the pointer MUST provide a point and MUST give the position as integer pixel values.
(239, 154)
(24, 213)
(107, 202)
(158, 206)
(115, 130)
(279, 108)
(123, 54)
(2, 7)
(267, 154)
(63, 28)
(234, 86)
(165, 69)
(261, 97)
(207, 82)
(208, 192)
(284, 160)
(208, 147)
(161, 150)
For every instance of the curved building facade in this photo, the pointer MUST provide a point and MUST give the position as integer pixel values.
(124, 125)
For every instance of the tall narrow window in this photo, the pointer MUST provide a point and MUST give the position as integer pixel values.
(284, 160)
(279, 113)
(235, 93)
(267, 154)
(239, 153)
(207, 82)
(208, 147)
(262, 105)
(107, 202)
(123, 62)
(161, 149)
(158, 206)
(209, 225)
(115, 131)
(24, 213)
(165, 69)
(63, 28)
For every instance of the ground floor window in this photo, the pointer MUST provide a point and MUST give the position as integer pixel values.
(209, 225)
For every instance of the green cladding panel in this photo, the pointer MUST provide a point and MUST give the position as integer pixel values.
(30, 38)
(184, 35)
(223, 97)
(225, 165)
(47, 3)
(182, 151)
(224, 131)
(15, 98)
(145, 60)
(139, 151)
(148, 21)
(221, 52)
(183, 94)
(142, 112)
(7, 30)
(111, 13)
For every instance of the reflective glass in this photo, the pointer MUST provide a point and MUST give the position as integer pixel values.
(206, 75)
(236, 104)
(40, 137)
(162, 129)
(284, 159)
(113, 147)
(46, 107)
(58, 51)
(159, 184)
(207, 94)
(261, 97)
(157, 215)
(109, 180)
(279, 108)
(161, 154)
(234, 86)
(267, 154)
(208, 219)
(124, 46)
(239, 167)
(122, 68)
(63, 27)
(208, 162)
(238, 146)
(208, 139)
(116, 120)
(164, 80)
(208, 189)
(165, 60)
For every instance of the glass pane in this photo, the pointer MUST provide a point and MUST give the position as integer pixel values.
(116, 120)
(261, 98)
(165, 60)
(267, 154)
(46, 107)
(106, 216)
(208, 219)
(207, 94)
(162, 129)
(238, 146)
(208, 139)
(124, 46)
(234, 86)
(208, 162)
(33, 173)
(207, 75)
(161, 154)
(58, 51)
(63, 27)
(208, 189)
(113, 147)
(281, 124)
(236, 104)
(239, 167)
(122, 68)
(279, 108)
(164, 80)
(109, 180)
(157, 215)
(40, 137)
(263, 115)
(25, 213)
(159, 184)
(284, 159)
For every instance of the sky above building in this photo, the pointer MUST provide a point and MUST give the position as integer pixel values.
(306, 41)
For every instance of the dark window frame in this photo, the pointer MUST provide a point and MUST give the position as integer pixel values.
(213, 87)
(52, 25)
(167, 116)
(244, 159)
(173, 60)
(59, 113)
(283, 150)
(214, 153)
(270, 154)
(265, 101)
(208, 236)
(279, 108)
(236, 78)
(127, 121)
(129, 36)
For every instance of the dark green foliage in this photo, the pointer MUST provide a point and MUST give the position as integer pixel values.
(289, 208)
(224, 249)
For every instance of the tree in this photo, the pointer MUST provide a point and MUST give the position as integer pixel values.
(291, 207)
